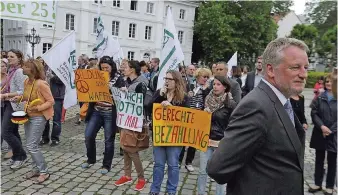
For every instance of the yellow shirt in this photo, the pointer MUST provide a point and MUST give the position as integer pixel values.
(26, 93)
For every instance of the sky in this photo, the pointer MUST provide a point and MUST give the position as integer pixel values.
(299, 6)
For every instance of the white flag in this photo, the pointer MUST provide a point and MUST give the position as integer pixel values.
(232, 62)
(62, 61)
(171, 54)
(101, 37)
(29, 51)
(113, 49)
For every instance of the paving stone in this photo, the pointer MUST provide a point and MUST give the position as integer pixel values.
(78, 179)
(73, 193)
(63, 190)
(46, 190)
(54, 185)
(104, 191)
(118, 192)
(94, 188)
(9, 184)
(17, 189)
(26, 183)
(8, 193)
(88, 193)
(56, 193)
(28, 191)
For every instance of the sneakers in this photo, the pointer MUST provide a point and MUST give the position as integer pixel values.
(54, 143)
(8, 162)
(17, 164)
(190, 168)
(104, 170)
(140, 184)
(123, 180)
(43, 142)
(86, 165)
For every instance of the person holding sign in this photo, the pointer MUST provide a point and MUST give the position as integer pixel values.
(136, 83)
(172, 93)
(39, 104)
(13, 86)
(197, 97)
(102, 114)
(220, 103)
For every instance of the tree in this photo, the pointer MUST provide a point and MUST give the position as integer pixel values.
(281, 7)
(327, 45)
(322, 14)
(225, 27)
(306, 33)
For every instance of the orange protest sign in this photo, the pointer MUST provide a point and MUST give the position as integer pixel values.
(179, 126)
(92, 86)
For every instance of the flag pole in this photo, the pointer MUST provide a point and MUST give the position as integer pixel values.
(54, 22)
(186, 78)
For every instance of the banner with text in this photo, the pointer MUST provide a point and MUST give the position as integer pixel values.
(38, 11)
(92, 86)
(129, 107)
(179, 126)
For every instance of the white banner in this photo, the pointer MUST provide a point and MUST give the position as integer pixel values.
(62, 61)
(129, 107)
(38, 11)
(171, 54)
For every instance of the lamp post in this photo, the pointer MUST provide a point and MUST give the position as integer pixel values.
(33, 39)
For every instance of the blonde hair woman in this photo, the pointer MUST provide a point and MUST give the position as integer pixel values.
(36, 88)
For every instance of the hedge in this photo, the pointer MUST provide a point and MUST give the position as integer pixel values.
(313, 77)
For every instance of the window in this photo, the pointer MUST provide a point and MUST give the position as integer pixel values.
(147, 34)
(48, 25)
(115, 28)
(166, 10)
(94, 25)
(146, 56)
(150, 8)
(133, 5)
(182, 14)
(116, 3)
(180, 36)
(46, 47)
(70, 19)
(132, 30)
(97, 1)
(131, 55)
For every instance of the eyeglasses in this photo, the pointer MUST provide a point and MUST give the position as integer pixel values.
(168, 79)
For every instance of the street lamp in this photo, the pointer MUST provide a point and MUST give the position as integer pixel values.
(33, 39)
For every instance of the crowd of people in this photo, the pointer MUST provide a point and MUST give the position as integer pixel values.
(258, 124)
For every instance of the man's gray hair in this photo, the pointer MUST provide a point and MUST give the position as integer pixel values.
(273, 53)
(224, 63)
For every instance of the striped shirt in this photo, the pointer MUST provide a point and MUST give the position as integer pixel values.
(197, 101)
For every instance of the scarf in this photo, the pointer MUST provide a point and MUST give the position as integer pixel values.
(6, 86)
(214, 102)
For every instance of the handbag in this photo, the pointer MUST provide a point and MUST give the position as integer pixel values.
(132, 141)
(21, 117)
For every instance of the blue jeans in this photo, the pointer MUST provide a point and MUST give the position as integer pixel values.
(10, 133)
(33, 131)
(97, 120)
(56, 131)
(169, 155)
(203, 176)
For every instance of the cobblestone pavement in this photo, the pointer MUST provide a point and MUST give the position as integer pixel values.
(67, 177)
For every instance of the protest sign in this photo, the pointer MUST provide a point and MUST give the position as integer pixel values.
(38, 11)
(92, 86)
(179, 126)
(129, 107)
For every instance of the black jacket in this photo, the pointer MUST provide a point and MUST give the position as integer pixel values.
(57, 87)
(157, 98)
(324, 113)
(220, 119)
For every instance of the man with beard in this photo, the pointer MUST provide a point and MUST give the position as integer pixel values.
(262, 151)
(254, 77)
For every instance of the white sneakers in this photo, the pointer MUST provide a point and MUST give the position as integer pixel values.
(190, 168)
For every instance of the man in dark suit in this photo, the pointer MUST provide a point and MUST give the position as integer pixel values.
(262, 152)
(222, 70)
(253, 77)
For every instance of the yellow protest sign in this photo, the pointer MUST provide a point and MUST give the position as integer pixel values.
(92, 86)
(179, 126)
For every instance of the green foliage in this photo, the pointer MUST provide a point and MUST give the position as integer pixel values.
(313, 77)
(306, 33)
(228, 26)
(322, 14)
(281, 7)
(328, 42)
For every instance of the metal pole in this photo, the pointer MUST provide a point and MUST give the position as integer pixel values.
(33, 50)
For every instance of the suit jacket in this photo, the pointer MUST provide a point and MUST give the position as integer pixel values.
(249, 83)
(261, 152)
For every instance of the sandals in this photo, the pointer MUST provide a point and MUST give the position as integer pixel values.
(32, 174)
(42, 178)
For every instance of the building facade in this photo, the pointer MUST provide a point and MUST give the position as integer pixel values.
(137, 24)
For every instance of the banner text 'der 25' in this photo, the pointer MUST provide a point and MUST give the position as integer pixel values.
(92, 86)
(179, 126)
(38, 11)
